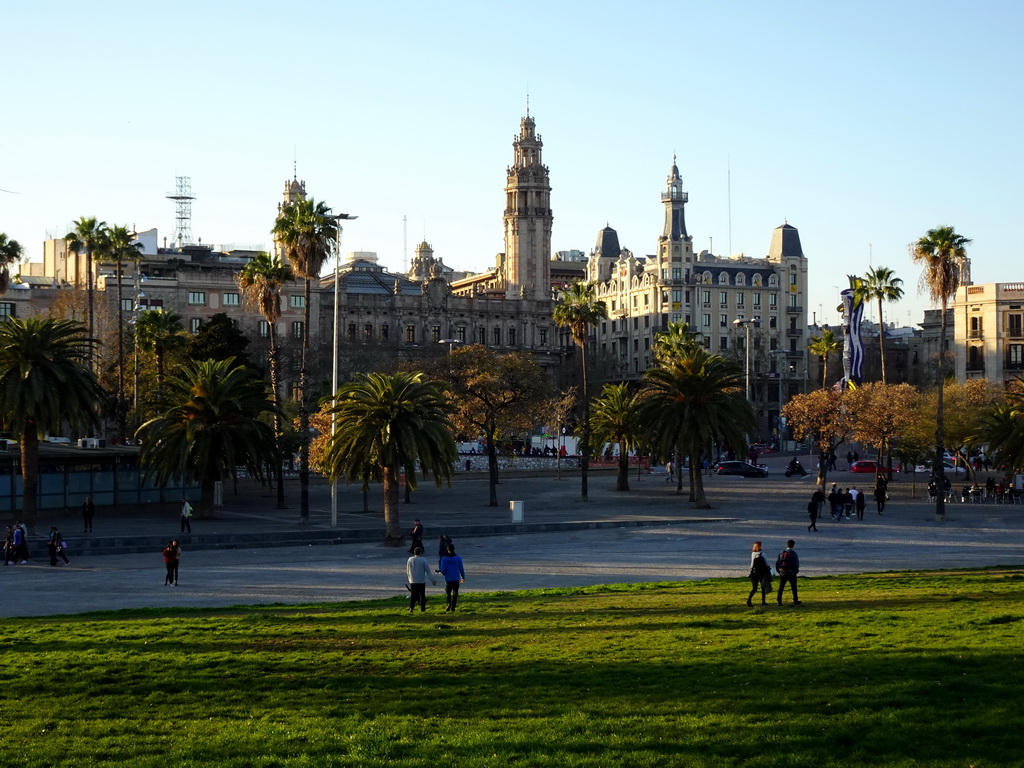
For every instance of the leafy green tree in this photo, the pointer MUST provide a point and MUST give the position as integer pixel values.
(824, 346)
(1002, 429)
(161, 332)
(89, 235)
(692, 400)
(387, 424)
(307, 235)
(880, 284)
(210, 427)
(579, 310)
(616, 419)
(219, 339)
(943, 254)
(10, 253)
(493, 393)
(45, 380)
(260, 282)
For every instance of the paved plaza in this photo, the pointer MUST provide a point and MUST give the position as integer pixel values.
(260, 555)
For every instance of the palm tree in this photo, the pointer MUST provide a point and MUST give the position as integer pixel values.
(89, 235)
(693, 400)
(119, 249)
(387, 424)
(10, 253)
(823, 346)
(160, 331)
(211, 427)
(260, 282)
(307, 236)
(678, 340)
(45, 380)
(615, 420)
(1003, 431)
(943, 253)
(880, 283)
(579, 310)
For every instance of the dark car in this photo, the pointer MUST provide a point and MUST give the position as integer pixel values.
(741, 468)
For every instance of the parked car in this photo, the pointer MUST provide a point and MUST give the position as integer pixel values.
(948, 466)
(741, 468)
(865, 465)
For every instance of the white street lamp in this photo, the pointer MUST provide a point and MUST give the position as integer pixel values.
(739, 322)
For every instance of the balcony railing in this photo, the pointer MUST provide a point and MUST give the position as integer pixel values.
(975, 334)
(794, 332)
(794, 310)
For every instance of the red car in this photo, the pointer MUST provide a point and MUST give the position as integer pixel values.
(865, 465)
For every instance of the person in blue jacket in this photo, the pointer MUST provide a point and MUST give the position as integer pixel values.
(453, 572)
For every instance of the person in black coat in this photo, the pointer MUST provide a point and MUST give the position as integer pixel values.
(760, 575)
(417, 536)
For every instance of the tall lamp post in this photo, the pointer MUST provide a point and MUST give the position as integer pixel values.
(739, 322)
(338, 218)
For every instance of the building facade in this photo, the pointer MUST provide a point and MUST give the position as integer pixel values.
(988, 332)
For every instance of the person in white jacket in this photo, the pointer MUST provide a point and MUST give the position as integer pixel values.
(417, 571)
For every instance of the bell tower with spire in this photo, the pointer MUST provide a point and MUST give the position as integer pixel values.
(527, 263)
(675, 247)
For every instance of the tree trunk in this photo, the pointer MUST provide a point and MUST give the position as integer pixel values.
(881, 337)
(122, 404)
(700, 501)
(392, 525)
(824, 371)
(938, 469)
(89, 299)
(492, 467)
(585, 432)
(206, 511)
(278, 427)
(304, 415)
(30, 476)
(622, 479)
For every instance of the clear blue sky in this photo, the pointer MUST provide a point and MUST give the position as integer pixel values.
(862, 124)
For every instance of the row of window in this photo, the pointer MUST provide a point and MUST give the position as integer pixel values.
(756, 279)
(234, 299)
(458, 334)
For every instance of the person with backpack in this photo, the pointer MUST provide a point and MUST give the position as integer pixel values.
(787, 565)
(186, 516)
(760, 575)
(55, 544)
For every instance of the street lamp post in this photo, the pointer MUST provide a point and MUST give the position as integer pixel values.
(338, 218)
(739, 322)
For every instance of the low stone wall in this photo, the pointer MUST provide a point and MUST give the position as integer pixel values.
(478, 463)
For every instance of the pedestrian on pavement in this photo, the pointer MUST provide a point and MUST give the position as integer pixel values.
(848, 500)
(881, 495)
(849, 459)
(670, 473)
(20, 543)
(417, 536)
(834, 502)
(453, 573)
(760, 575)
(172, 556)
(818, 497)
(186, 516)
(787, 565)
(417, 571)
(10, 556)
(88, 511)
(860, 502)
(812, 512)
(442, 549)
(55, 544)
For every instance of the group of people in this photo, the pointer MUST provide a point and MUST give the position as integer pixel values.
(787, 566)
(16, 545)
(418, 571)
(844, 503)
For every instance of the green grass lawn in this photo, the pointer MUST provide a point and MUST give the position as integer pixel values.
(905, 669)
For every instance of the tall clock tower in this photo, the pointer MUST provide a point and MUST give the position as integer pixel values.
(527, 264)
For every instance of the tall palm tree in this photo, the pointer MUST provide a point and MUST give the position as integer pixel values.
(678, 340)
(211, 427)
(943, 254)
(615, 420)
(823, 346)
(387, 424)
(307, 236)
(10, 253)
(579, 310)
(161, 332)
(881, 284)
(89, 235)
(692, 401)
(260, 282)
(119, 249)
(45, 380)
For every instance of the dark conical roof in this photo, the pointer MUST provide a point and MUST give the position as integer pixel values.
(607, 244)
(785, 242)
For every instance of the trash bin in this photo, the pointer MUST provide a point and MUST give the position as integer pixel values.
(518, 509)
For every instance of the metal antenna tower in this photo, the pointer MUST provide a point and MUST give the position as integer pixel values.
(183, 203)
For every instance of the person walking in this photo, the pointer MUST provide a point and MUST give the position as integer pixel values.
(812, 512)
(453, 573)
(88, 512)
(881, 495)
(20, 543)
(787, 565)
(417, 536)
(834, 502)
(760, 575)
(172, 557)
(848, 500)
(10, 555)
(860, 502)
(444, 542)
(55, 545)
(417, 571)
(186, 516)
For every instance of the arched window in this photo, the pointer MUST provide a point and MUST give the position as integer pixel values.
(741, 279)
(773, 281)
(723, 278)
